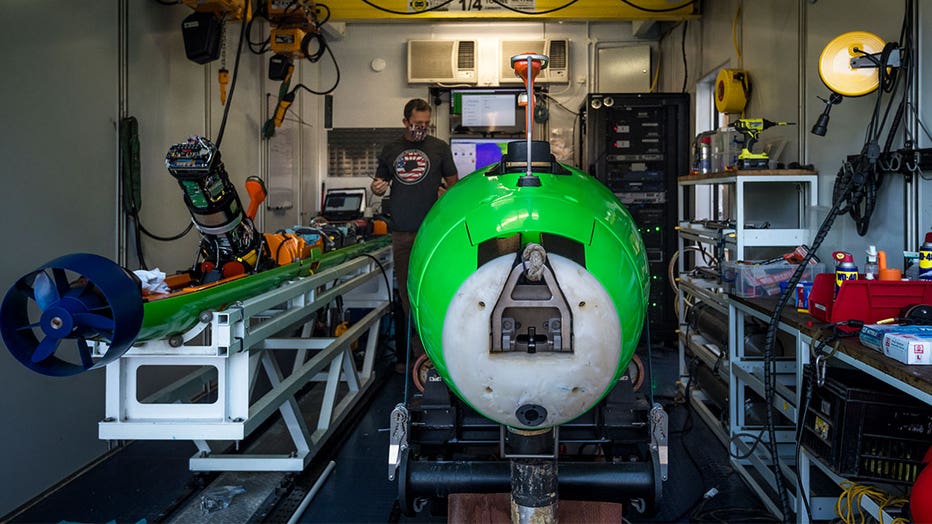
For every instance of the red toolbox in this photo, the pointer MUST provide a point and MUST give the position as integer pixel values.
(865, 300)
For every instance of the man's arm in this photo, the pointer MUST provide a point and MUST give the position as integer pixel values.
(378, 186)
(382, 179)
(445, 184)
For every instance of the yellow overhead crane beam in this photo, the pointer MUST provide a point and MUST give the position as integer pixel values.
(465, 10)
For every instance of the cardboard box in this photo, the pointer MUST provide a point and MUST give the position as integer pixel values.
(872, 335)
(908, 349)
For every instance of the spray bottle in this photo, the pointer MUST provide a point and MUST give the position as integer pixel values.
(871, 269)
(925, 258)
(844, 268)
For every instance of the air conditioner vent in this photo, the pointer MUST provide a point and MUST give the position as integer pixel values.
(442, 61)
(558, 54)
(466, 55)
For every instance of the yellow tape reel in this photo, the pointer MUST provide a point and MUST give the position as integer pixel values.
(835, 63)
(731, 90)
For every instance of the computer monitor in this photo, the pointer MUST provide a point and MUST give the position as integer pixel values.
(471, 154)
(491, 112)
(341, 205)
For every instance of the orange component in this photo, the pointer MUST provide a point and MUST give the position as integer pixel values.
(287, 247)
(257, 193)
(522, 72)
(223, 78)
(419, 371)
(521, 68)
(341, 328)
(232, 268)
(177, 280)
(207, 266)
(233, 8)
(884, 272)
(379, 227)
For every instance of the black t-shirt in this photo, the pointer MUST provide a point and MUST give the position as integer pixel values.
(415, 170)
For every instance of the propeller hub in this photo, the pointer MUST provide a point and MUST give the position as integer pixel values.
(57, 322)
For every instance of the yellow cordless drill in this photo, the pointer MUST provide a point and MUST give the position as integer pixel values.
(751, 129)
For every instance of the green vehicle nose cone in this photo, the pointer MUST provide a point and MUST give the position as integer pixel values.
(502, 341)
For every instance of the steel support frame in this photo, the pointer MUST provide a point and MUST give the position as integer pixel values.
(236, 343)
(749, 373)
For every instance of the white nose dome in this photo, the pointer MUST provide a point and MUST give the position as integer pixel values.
(532, 390)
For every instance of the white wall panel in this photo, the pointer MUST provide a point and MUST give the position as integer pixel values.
(58, 144)
(825, 20)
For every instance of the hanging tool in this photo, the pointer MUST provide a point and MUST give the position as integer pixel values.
(223, 74)
(223, 78)
(286, 97)
(751, 129)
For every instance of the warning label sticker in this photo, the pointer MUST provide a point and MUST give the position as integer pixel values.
(470, 6)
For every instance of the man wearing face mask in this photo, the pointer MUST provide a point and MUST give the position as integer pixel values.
(419, 168)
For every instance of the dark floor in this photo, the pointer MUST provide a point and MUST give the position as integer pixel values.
(144, 480)
(147, 480)
(698, 463)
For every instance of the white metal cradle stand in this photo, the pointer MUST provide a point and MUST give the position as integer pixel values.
(239, 340)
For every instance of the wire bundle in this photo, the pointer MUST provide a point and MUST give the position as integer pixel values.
(854, 193)
(848, 507)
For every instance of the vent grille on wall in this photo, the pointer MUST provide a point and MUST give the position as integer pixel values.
(557, 50)
(442, 61)
(466, 55)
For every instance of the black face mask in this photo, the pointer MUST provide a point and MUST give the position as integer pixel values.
(417, 132)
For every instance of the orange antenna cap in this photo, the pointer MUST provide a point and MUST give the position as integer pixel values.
(521, 67)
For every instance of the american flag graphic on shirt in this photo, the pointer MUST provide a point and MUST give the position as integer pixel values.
(411, 166)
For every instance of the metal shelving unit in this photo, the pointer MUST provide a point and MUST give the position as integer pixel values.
(741, 236)
(747, 374)
(741, 227)
(757, 469)
(732, 237)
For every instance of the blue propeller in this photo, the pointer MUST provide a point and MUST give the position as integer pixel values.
(102, 303)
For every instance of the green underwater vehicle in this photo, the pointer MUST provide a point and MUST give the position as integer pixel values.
(529, 286)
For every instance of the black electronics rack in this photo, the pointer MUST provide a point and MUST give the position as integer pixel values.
(637, 144)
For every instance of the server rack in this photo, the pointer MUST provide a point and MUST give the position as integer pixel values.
(637, 144)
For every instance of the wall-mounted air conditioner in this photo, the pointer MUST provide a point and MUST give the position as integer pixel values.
(442, 61)
(557, 71)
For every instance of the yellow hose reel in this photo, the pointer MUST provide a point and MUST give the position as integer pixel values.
(732, 87)
(835, 67)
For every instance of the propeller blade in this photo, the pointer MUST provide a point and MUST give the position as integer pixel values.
(29, 326)
(105, 307)
(45, 349)
(84, 288)
(45, 291)
(90, 320)
(61, 280)
(85, 353)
